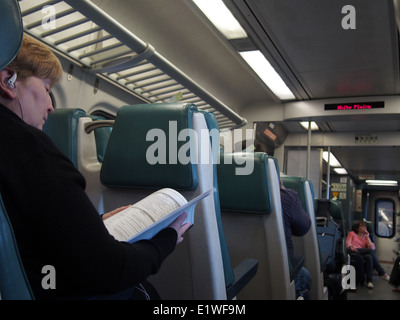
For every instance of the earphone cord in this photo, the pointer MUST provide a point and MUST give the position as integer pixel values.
(143, 290)
(20, 107)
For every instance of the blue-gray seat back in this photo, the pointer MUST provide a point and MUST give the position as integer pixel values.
(62, 128)
(331, 234)
(14, 284)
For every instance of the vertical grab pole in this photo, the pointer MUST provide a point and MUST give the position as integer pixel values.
(308, 151)
(328, 174)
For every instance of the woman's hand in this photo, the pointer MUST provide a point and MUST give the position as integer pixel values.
(179, 227)
(353, 248)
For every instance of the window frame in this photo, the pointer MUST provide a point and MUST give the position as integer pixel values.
(393, 217)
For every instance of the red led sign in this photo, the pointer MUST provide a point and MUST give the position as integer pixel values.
(355, 105)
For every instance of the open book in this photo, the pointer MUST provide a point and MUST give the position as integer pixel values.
(147, 217)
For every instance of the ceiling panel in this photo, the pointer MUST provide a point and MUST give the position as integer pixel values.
(382, 162)
(328, 60)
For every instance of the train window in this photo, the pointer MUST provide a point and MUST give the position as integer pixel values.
(384, 218)
(106, 115)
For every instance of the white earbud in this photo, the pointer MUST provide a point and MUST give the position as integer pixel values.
(11, 83)
(12, 80)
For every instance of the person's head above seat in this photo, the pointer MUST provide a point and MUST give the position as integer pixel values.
(26, 82)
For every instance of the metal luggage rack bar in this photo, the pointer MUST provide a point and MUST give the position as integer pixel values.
(96, 42)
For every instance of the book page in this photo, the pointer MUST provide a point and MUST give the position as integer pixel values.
(138, 221)
(144, 213)
(164, 222)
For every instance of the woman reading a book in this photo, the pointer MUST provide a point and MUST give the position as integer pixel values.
(54, 221)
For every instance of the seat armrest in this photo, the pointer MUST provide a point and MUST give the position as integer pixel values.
(244, 272)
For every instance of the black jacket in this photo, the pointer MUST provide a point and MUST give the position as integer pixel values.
(56, 224)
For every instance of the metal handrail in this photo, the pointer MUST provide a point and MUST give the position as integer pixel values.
(113, 27)
(88, 36)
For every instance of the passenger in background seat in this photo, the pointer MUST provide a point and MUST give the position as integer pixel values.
(297, 223)
(358, 241)
(54, 221)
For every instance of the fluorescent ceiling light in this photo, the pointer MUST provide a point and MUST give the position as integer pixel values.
(381, 182)
(314, 126)
(222, 18)
(340, 170)
(332, 160)
(267, 73)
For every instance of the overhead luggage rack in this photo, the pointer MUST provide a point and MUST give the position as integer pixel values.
(96, 42)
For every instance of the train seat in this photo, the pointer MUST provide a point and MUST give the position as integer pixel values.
(332, 243)
(65, 127)
(236, 279)
(253, 222)
(62, 127)
(331, 233)
(14, 284)
(133, 168)
(307, 245)
(328, 239)
(337, 214)
(332, 209)
(339, 217)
